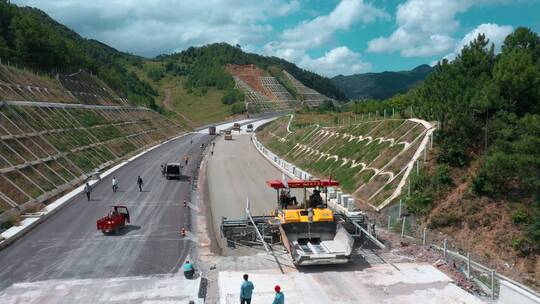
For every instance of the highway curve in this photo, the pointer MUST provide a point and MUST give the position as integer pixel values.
(68, 246)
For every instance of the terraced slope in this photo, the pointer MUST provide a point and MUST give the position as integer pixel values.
(263, 93)
(81, 87)
(54, 132)
(309, 97)
(371, 159)
(45, 149)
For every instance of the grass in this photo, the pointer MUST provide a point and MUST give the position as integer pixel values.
(360, 151)
(54, 165)
(10, 156)
(106, 132)
(37, 178)
(11, 192)
(87, 118)
(82, 161)
(22, 151)
(56, 172)
(199, 109)
(23, 183)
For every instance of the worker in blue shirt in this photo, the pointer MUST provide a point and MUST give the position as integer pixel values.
(246, 290)
(189, 271)
(279, 298)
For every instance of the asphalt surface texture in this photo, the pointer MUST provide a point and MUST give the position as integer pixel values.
(237, 172)
(69, 246)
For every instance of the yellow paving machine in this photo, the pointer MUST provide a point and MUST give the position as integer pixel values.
(312, 233)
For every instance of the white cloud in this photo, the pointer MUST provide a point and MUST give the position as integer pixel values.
(293, 44)
(337, 61)
(424, 28)
(340, 60)
(319, 31)
(494, 32)
(153, 27)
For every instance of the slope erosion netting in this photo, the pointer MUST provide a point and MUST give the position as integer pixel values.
(81, 87)
(45, 150)
(370, 159)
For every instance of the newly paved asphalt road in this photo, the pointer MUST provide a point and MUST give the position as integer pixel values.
(237, 171)
(68, 246)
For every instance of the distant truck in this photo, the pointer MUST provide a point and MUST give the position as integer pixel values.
(236, 126)
(228, 135)
(249, 128)
(172, 170)
(212, 130)
(114, 221)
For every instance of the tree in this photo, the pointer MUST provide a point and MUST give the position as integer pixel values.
(522, 38)
(518, 77)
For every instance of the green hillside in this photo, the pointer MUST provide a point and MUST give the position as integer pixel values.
(380, 85)
(30, 38)
(189, 108)
(205, 67)
(487, 106)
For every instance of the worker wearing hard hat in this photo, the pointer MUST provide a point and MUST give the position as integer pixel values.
(279, 298)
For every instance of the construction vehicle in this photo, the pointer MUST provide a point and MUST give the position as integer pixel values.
(311, 232)
(228, 135)
(212, 130)
(249, 128)
(114, 221)
(172, 170)
(236, 126)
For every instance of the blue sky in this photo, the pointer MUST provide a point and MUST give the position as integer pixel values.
(329, 37)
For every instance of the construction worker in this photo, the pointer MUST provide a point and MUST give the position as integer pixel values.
(246, 291)
(87, 190)
(315, 200)
(189, 271)
(292, 199)
(114, 184)
(140, 183)
(279, 298)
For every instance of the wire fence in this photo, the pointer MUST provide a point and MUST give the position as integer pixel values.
(398, 219)
(411, 230)
(336, 119)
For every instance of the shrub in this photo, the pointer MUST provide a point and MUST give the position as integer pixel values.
(238, 108)
(522, 245)
(419, 202)
(155, 73)
(520, 216)
(232, 96)
(533, 229)
(8, 223)
(442, 175)
(443, 220)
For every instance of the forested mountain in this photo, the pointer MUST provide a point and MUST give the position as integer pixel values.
(380, 85)
(205, 67)
(30, 38)
(484, 183)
